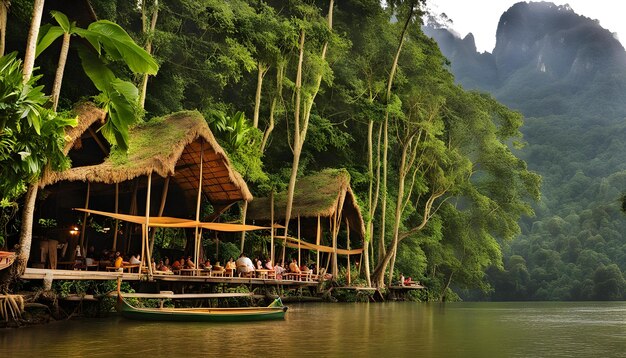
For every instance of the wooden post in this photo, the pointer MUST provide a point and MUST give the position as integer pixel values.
(272, 227)
(146, 228)
(318, 237)
(117, 222)
(199, 201)
(299, 245)
(166, 186)
(85, 215)
(348, 238)
(243, 221)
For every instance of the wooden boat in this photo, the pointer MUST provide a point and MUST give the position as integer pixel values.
(275, 310)
(6, 259)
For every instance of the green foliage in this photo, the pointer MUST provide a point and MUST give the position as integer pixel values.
(31, 135)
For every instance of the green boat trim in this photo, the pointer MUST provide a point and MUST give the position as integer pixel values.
(274, 311)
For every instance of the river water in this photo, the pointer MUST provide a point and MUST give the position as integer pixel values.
(398, 329)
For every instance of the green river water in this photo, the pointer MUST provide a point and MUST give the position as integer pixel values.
(399, 329)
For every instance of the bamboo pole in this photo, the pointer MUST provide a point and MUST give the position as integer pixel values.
(166, 186)
(148, 255)
(85, 215)
(133, 211)
(348, 238)
(272, 227)
(199, 200)
(117, 222)
(243, 221)
(299, 243)
(318, 237)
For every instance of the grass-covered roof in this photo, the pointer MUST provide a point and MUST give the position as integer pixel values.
(168, 146)
(317, 194)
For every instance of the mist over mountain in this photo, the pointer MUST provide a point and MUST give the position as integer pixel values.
(567, 75)
(547, 60)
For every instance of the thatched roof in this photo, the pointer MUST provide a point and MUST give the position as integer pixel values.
(167, 146)
(316, 195)
(87, 114)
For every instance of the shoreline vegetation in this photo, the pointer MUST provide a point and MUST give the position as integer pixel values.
(162, 121)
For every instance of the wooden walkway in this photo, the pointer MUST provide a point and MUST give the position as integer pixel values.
(40, 274)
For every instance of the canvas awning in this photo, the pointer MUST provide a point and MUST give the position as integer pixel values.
(292, 242)
(170, 222)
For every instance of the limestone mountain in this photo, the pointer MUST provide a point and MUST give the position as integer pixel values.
(547, 60)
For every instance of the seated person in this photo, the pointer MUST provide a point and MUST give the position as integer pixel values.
(189, 264)
(177, 265)
(162, 267)
(259, 264)
(268, 264)
(135, 260)
(207, 265)
(244, 264)
(293, 266)
(230, 264)
(119, 260)
(408, 281)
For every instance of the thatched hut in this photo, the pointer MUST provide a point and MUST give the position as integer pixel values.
(179, 149)
(321, 203)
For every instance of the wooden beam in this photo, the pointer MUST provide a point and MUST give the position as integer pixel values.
(94, 135)
(243, 221)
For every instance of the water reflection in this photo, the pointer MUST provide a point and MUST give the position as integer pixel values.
(359, 330)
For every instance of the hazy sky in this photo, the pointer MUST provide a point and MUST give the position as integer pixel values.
(480, 17)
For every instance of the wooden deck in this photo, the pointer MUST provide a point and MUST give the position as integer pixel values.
(40, 274)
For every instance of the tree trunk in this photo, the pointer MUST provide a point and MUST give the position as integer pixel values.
(31, 44)
(382, 264)
(26, 234)
(296, 141)
(280, 75)
(58, 78)
(4, 9)
(261, 71)
(144, 82)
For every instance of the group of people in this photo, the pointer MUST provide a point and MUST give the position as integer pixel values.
(245, 266)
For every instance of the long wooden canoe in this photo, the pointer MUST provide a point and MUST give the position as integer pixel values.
(275, 310)
(6, 259)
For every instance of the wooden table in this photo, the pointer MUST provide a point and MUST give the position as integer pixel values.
(262, 273)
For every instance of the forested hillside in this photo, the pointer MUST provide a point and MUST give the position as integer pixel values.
(567, 75)
(290, 88)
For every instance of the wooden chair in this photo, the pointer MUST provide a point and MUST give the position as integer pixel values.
(229, 273)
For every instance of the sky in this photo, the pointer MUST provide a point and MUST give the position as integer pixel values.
(480, 17)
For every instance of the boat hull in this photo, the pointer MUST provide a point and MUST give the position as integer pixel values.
(244, 314)
(6, 259)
